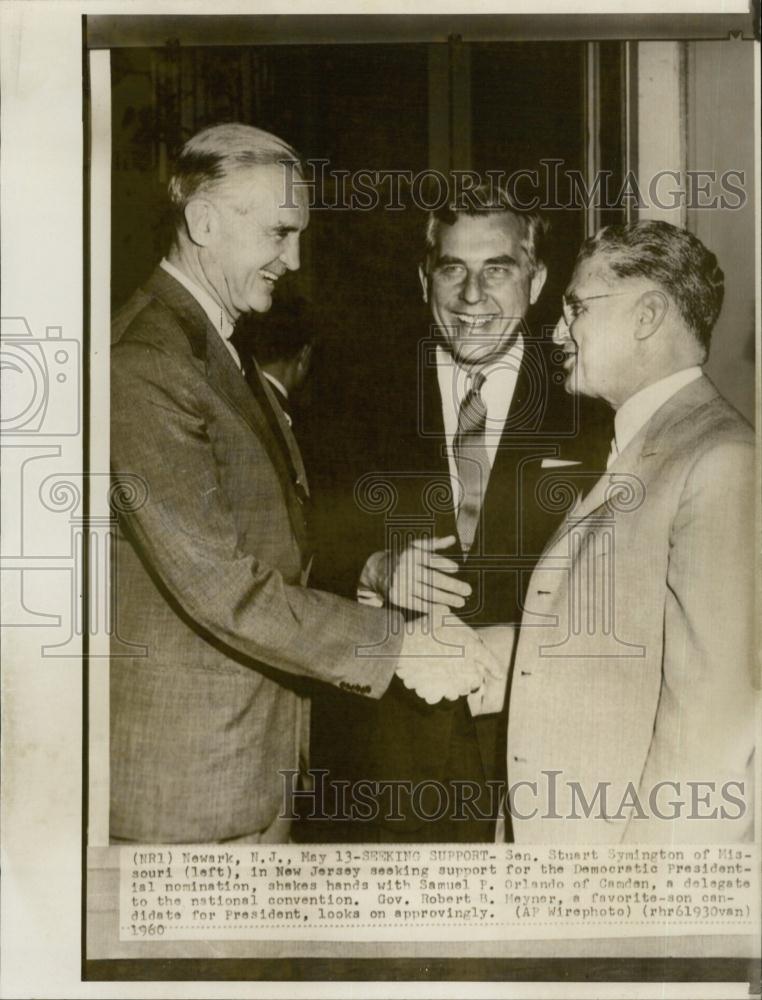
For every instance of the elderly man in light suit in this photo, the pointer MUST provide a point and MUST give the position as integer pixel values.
(211, 569)
(632, 701)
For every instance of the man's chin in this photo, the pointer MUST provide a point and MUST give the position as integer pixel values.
(478, 355)
(261, 302)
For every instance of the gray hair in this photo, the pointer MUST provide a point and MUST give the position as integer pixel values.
(490, 199)
(672, 258)
(210, 156)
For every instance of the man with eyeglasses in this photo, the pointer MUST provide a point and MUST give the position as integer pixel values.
(478, 434)
(631, 712)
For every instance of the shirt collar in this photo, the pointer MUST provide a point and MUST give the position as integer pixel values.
(497, 373)
(214, 311)
(276, 382)
(640, 407)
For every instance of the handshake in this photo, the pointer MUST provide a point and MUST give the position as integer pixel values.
(441, 657)
(445, 658)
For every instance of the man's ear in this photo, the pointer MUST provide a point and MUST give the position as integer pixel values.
(537, 283)
(424, 280)
(201, 220)
(652, 308)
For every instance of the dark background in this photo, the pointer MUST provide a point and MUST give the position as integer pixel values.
(359, 106)
(368, 106)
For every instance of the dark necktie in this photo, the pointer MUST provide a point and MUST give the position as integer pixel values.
(472, 461)
(254, 382)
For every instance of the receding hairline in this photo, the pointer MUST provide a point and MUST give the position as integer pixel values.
(434, 226)
(213, 156)
(240, 171)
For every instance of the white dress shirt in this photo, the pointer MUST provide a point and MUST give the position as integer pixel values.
(636, 411)
(282, 390)
(217, 315)
(497, 392)
(454, 382)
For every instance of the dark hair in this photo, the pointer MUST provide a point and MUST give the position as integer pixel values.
(211, 155)
(490, 199)
(279, 334)
(673, 259)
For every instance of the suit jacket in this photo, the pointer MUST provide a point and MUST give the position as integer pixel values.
(401, 738)
(634, 659)
(215, 631)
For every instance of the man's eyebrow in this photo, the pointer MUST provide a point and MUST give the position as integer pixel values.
(502, 259)
(446, 259)
(505, 259)
(286, 229)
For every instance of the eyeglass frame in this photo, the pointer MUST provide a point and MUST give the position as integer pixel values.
(589, 298)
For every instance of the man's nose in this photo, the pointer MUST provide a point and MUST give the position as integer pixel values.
(290, 255)
(471, 291)
(561, 331)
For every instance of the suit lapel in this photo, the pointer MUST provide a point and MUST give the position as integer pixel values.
(433, 445)
(226, 379)
(624, 473)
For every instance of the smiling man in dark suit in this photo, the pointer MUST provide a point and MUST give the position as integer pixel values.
(482, 436)
(211, 569)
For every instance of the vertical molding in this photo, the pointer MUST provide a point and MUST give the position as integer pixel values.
(450, 105)
(439, 107)
(460, 103)
(98, 466)
(720, 140)
(592, 125)
(630, 118)
(661, 122)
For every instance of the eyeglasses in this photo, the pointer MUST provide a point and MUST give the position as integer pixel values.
(570, 308)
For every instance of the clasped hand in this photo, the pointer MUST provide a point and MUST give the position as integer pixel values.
(418, 578)
(443, 658)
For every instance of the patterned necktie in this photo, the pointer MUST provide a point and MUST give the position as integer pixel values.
(472, 461)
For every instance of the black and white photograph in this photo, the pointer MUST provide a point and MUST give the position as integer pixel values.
(382, 501)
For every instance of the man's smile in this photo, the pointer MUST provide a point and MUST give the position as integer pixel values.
(475, 321)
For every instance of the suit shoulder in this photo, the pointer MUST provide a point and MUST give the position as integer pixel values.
(731, 424)
(715, 449)
(717, 424)
(145, 323)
